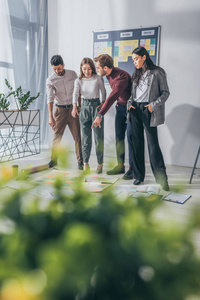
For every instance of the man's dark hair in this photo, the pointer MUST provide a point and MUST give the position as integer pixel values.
(56, 60)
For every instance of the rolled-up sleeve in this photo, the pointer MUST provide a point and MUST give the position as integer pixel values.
(50, 92)
(77, 91)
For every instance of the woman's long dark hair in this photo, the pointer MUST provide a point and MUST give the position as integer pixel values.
(148, 64)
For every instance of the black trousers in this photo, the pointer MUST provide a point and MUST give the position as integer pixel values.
(120, 130)
(140, 122)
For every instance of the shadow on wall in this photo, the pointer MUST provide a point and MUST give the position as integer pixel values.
(184, 125)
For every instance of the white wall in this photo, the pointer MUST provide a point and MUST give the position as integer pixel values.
(71, 26)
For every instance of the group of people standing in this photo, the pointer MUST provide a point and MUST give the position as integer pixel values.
(139, 107)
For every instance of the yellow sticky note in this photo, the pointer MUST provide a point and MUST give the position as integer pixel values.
(147, 42)
(125, 56)
(107, 50)
(116, 62)
(110, 51)
(135, 44)
(152, 52)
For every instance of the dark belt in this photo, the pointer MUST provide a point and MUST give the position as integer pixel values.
(137, 103)
(89, 102)
(64, 106)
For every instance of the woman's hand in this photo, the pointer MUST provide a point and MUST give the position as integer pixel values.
(131, 107)
(149, 108)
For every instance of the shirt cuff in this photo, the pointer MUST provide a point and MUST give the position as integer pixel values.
(100, 116)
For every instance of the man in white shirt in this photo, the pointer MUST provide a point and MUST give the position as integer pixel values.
(60, 87)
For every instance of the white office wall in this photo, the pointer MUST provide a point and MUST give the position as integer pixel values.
(71, 26)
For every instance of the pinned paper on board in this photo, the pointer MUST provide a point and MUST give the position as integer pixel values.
(119, 44)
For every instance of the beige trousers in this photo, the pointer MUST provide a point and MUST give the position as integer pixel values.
(63, 117)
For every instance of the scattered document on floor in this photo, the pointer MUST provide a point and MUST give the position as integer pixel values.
(148, 189)
(69, 181)
(177, 197)
(135, 192)
(101, 179)
(124, 190)
(18, 184)
(45, 192)
(95, 187)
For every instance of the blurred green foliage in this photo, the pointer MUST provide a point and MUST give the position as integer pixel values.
(81, 246)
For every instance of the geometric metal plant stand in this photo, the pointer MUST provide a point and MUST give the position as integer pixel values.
(19, 134)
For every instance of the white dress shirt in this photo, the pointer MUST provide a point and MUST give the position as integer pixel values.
(60, 88)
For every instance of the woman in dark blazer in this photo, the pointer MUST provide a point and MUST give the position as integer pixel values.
(146, 111)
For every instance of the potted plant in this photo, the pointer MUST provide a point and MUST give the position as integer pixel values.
(22, 100)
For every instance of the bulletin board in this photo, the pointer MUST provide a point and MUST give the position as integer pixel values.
(120, 43)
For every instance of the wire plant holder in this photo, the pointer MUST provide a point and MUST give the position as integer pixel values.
(19, 134)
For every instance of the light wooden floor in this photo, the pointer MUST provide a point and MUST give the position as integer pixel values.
(174, 213)
(176, 176)
(168, 211)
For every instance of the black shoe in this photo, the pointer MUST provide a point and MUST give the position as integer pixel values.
(128, 175)
(52, 163)
(80, 165)
(165, 186)
(116, 170)
(137, 182)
